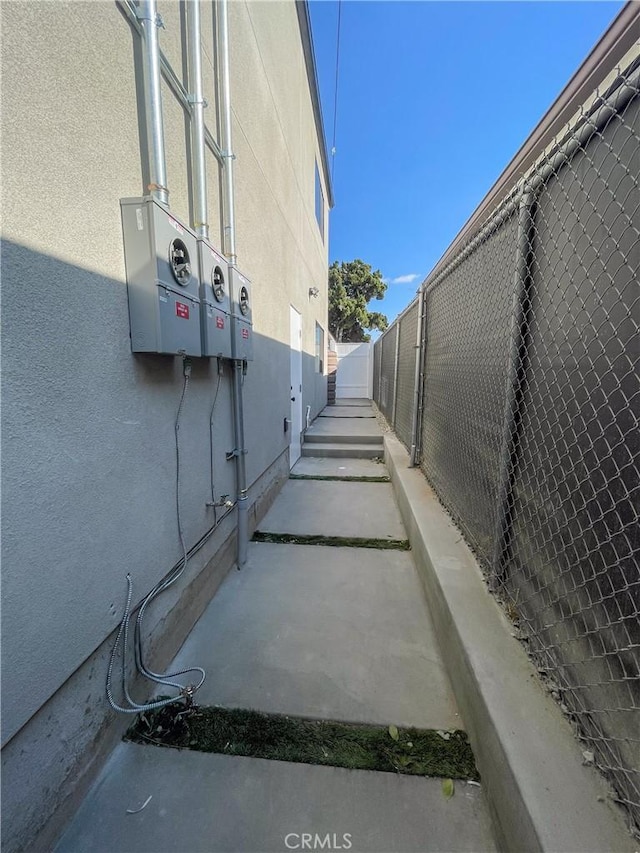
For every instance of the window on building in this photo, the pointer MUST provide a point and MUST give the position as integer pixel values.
(319, 349)
(319, 203)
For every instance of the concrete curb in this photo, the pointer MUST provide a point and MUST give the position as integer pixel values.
(541, 796)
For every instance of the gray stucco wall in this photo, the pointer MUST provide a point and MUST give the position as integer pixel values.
(88, 428)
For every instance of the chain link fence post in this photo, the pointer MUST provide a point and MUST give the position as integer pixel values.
(395, 375)
(515, 378)
(414, 450)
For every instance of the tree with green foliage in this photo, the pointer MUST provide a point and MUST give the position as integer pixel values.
(352, 284)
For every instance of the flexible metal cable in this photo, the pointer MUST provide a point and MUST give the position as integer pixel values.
(173, 576)
(124, 628)
(123, 633)
(161, 586)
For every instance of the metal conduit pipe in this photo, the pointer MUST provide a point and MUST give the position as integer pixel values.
(224, 93)
(169, 74)
(222, 33)
(148, 17)
(241, 470)
(198, 103)
(416, 379)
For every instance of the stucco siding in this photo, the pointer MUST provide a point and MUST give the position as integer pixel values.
(89, 468)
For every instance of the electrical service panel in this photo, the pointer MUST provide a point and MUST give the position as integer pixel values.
(241, 324)
(161, 257)
(215, 302)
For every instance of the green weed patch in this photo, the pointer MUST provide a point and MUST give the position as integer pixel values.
(331, 541)
(415, 752)
(337, 479)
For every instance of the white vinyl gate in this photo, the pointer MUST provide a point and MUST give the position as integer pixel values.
(355, 370)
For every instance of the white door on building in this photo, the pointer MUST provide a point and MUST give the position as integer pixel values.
(295, 441)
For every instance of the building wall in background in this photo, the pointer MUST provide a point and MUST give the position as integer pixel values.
(89, 467)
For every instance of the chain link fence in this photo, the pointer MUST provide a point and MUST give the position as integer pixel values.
(528, 410)
(405, 383)
(377, 370)
(388, 361)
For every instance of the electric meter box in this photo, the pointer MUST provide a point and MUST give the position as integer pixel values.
(241, 323)
(215, 301)
(161, 257)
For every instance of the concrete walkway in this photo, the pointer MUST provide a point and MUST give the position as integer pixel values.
(321, 632)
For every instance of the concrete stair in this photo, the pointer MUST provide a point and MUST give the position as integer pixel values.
(349, 436)
(342, 438)
(343, 450)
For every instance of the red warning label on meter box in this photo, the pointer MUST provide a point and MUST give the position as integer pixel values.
(219, 322)
(245, 334)
(182, 310)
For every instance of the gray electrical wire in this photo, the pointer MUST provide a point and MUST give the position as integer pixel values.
(211, 465)
(161, 586)
(173, 576)
(124, 629)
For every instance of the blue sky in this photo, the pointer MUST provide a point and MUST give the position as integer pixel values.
(434, 99)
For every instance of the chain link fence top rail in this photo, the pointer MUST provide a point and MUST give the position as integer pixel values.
(530, 421)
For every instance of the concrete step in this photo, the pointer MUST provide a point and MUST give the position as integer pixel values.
(313, 507)
(339, 467)
(343, 450)
(358, 412)
(353, 401)
(200, 802)
(341, 438)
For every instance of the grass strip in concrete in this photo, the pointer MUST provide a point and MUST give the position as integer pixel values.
(232, 731)
(337, 479)
(331, 541)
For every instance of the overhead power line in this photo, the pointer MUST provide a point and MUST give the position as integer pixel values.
(335, 96)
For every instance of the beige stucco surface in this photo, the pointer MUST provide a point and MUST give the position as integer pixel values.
(89, 474)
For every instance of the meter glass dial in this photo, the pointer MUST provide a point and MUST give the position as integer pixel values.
(180, 262)
(217, 284)
(244, 301)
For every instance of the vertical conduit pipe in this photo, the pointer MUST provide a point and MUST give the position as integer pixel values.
(222, 36)
(241, 471)
(222, 31)
(198, 103)
(522, 281)
(416, 380)
(149, 21)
